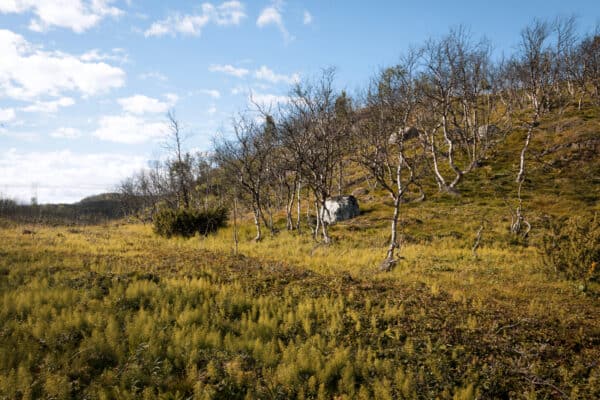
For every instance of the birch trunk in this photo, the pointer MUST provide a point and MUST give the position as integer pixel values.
(299, 210)
(255, 212)
(235, 227)
(394, 229)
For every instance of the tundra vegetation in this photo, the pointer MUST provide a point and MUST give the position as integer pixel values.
(472, 271)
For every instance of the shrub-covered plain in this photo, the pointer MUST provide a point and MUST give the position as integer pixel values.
(115, 312)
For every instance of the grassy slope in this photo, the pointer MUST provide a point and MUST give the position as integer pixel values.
(114, 312)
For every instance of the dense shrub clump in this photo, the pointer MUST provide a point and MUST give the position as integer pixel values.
(187, 222)
(571, 247)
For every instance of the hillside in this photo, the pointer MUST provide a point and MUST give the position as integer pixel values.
(113, 311)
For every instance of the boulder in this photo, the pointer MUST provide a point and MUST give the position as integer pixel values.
(406, 133)
(340, 208)
(486, 131)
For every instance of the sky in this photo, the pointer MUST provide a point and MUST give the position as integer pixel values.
(85, 85)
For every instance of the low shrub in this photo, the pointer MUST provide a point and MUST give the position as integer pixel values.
(187, 222)
(571, 247)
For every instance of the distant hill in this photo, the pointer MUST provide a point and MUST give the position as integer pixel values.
(89, 210)
(101, 197)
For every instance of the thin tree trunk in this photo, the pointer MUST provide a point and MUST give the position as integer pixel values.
(521, 174)
(299, 208)
(341, 178)
(257, 224)
(324, 225)
(477, 241)
(450, 143)
(394, 229)
(519, 218)
(291, 194)
(235, 227)
(261, 214)
(318, 223)
(438, 176)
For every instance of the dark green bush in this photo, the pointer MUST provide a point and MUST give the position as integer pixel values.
(187, 222)
(571, 247)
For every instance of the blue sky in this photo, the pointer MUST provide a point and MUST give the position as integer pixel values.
(85, 84)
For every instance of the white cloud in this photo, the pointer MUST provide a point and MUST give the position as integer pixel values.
(129, 129)
(28, 72)
(272, 16)
(7, 114)
(172, 98)
(225, 14)
(229, 70)
(269, 16)
(267, 100)
(228, 13)
(266, 74)
(215, 94)
(307, 18)
(49, 106)
(66, 133)
(212, 110)
(77, 15)
(140, 104)
(117, 55)
(63, 176)
(156, 76)
(20, 135)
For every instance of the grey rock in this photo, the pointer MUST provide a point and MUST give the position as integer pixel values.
(407, 133)
(486, 131)
(340, 208)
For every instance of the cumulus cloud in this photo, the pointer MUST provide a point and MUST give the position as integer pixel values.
(77, 15)
(28, 72)
(225, 14)
(66, 133)
(7, 114)
(229, 70)
(307, 18)
(129, 129)
(140, 104)
(266, 74)
(63, 176)
(272, 16)
(49, 106)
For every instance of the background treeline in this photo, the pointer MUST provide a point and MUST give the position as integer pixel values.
(90, 210)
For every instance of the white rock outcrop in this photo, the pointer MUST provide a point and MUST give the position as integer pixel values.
(340, 208)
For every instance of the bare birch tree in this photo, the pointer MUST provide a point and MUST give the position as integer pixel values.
(312, 134)
(534, 67)
(246, 159)
(454, 109)
(385, 143)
